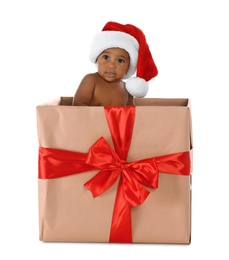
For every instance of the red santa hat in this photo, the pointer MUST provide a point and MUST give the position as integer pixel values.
(133, 40)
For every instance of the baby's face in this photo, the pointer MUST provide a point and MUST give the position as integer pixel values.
(113, 64)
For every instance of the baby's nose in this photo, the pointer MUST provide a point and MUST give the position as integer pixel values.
(111, 64)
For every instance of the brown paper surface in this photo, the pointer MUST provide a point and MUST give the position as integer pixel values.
(68, 212)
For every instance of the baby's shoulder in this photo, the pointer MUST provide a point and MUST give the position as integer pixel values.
(89, 78)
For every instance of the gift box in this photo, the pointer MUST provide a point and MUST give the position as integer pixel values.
(115, 174)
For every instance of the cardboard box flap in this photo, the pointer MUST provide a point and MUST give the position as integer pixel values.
(67, 101)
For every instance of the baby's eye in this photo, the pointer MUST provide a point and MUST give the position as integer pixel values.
(106, 57)
(121, 61)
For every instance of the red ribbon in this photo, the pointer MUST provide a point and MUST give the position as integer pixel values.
(54, 163)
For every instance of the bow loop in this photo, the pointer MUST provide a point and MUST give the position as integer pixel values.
(102, 156)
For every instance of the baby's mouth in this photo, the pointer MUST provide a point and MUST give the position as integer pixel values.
(110, 74)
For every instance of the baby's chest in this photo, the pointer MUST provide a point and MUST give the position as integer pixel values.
(110, 96)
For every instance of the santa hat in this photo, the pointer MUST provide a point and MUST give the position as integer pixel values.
(133, 40)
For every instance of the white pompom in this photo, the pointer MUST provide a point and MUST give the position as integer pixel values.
(137, 87)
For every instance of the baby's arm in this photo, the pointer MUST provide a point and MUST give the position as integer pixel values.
(85, 91)
(130, 101)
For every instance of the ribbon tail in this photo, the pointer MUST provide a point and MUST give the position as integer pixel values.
(121, 226)
(101, 182)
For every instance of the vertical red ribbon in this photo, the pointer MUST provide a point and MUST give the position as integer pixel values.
(121, 123)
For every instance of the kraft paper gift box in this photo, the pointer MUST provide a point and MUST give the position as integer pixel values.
(115, 174)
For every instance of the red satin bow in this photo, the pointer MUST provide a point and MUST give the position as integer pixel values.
(54, 163)
(134, 174)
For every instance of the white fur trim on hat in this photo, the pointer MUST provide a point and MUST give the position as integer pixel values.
(115, 39)
(137, 87)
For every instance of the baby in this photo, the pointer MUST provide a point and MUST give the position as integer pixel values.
(118, 51)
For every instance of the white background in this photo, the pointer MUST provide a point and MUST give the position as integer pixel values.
(44, 47)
